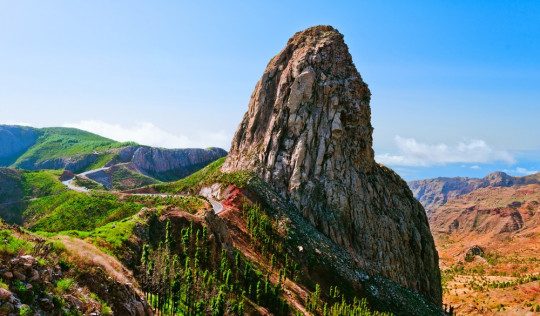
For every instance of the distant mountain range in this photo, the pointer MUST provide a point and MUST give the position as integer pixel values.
(433, 193)
(77, 151)
(488, 227)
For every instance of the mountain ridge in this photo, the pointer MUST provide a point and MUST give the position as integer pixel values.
(76, 151)
(435, 192)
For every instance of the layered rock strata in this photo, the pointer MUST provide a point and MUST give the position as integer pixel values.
(307, 132)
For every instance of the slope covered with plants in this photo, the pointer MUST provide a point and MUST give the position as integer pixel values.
(61, 142)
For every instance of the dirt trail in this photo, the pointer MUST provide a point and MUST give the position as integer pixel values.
(94, 255)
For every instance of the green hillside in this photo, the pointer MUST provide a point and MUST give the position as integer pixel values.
(204, 177)
(18, 185)
(61, 142)
(74, 210)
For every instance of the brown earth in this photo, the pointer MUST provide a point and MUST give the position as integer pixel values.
(505, 223)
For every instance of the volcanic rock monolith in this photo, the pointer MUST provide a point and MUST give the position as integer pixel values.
(308, 133)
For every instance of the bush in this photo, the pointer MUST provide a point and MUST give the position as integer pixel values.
(25, 311)
(12, 245)
(64, 285)
(105, 309)
(57, 246)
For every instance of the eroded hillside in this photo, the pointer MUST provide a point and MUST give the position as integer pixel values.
(487, 232)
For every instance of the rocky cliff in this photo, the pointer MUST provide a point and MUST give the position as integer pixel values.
(307, 132)
(169, 164)
(433, 193)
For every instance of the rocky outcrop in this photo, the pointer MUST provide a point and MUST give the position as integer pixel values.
(14, 140)
(473, 251)
(307, 132)
(29, 282)
(169, 164)
(46, 284)
(76, 163)
(433, 193)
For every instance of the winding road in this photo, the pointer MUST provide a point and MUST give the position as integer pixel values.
(70, 186)
(217, 206)
(68, 183)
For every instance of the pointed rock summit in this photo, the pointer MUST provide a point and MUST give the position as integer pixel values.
(307, 132)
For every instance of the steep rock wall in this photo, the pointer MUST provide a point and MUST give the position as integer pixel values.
(308, 133)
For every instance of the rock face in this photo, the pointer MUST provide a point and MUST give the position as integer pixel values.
(307, 132)
(170, 164)
(434, 193)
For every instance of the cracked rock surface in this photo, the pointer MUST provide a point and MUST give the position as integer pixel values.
(307, 132)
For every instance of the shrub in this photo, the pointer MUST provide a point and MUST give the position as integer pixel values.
(57, 246)
(105, 309)
(64, 285)
(11, 245)
(25, 311)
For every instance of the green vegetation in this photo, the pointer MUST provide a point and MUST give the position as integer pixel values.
(58, 246)
(50, 256)
(189, 204)
(64, 285)
(125, 179)
(18, 185)
(206, 176)
(59, 142)
(77, 211)
(10, 244)
(113, 237)
(106, 310)
(25, 311)
(100, 162)
(41, 183)
(88, 183)
(191, 275)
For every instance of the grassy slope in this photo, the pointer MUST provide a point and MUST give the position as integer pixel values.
(42, 183)
(73, 210)
(59, 142)
(46, 204)
(17, 188)
(125, 179)
(206, 176)
(22, 185)
(75, 275)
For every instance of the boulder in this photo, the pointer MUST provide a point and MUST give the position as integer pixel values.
(5, 295)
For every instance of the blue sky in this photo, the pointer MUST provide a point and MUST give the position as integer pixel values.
(456, 85)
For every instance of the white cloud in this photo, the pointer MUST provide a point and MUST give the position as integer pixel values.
(414, 153)
(146, 133)
(522, 171)
(10, 122)
(475, 167)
